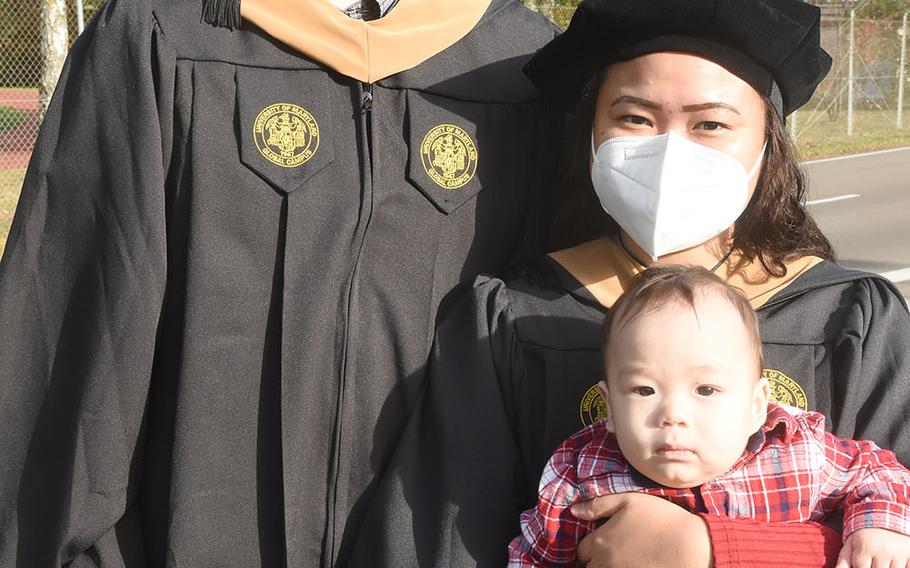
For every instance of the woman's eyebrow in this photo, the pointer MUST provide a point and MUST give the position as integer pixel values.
(629, 99)
(636, 101)
(708, 106)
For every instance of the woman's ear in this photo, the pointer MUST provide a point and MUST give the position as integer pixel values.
(760, 398)
(605, 394)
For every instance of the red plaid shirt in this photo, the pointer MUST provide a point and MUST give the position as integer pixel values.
(792, 470)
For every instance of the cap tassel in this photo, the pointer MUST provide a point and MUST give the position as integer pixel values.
(221, 13)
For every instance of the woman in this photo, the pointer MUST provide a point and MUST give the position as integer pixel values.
(680, 156)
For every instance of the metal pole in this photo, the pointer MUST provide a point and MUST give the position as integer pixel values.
(902, 74)
(850, 78)
(80, 16)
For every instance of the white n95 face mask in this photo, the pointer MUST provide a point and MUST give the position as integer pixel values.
(667, 192)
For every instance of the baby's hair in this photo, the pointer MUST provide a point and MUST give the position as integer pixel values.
(660, 286)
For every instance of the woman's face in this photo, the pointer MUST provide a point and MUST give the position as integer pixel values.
(656, 93)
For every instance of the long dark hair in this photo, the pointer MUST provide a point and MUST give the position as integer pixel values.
(774, 228)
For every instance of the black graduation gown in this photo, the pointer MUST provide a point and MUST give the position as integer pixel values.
(513, 372)
(205, 355)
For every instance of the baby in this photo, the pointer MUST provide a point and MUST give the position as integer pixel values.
(689, 420)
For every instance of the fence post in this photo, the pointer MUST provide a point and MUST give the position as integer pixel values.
(902, 74)
(850, 77)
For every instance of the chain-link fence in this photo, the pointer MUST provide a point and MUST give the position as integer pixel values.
(20, 67)
(862, 102)
(26, 43)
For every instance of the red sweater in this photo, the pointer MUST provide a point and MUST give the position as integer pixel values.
(744, 543)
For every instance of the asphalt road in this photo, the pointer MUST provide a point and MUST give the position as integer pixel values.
(862, 204)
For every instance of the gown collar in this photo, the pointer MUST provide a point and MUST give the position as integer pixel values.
(411, 33)
(604, 270)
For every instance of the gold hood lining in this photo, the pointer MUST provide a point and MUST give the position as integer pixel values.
(605, 269)
(412, 32)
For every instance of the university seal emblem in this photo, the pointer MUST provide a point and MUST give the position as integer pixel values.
(785, 390)
(286, 134)
(593, 407)
(449, 156)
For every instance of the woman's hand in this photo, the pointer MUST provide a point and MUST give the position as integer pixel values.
(644, 531)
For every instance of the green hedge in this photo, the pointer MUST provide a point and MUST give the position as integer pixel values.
(10, 118)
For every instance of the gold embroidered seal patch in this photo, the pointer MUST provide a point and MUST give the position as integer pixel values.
(785, 390)
(449, 156)
(593, 407)
(286, 134)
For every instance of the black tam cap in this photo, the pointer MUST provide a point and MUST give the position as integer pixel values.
(774, 45)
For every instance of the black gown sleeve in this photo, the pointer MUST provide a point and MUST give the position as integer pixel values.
(870, 364)
(452, 494)
(81, 289)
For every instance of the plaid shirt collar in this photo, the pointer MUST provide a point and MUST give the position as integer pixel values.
(779, 425)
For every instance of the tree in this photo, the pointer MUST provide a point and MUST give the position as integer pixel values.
(885, 9)
(54, 44)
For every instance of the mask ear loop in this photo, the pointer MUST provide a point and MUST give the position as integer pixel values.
(643, 264)
(758, 161)
(722, 260)
(629, 253)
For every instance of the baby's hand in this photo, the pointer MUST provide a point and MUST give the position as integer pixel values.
(868, 548)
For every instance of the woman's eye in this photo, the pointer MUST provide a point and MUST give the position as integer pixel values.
(642, 391)
(637, 120)
(709, 125)
(705, 391)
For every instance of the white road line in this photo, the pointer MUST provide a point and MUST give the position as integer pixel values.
(832, 199)
(861, 155)
(901, 275)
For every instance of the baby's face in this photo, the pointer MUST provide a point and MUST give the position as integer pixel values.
(684, 391)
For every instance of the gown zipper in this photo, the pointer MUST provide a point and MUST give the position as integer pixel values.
(366, 98)
(329, 548)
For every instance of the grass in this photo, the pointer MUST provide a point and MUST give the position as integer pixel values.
(10, 118)
(821, 137)
(10, 184)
